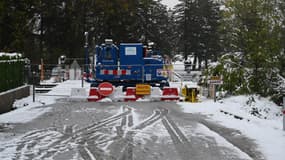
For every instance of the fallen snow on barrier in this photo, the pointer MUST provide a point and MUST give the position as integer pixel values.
(64, 88)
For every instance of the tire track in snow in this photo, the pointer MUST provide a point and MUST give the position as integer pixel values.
(105, 121)
(126, 141)
(179, 139)
(235, 141)
(128, 150)
(30, 145)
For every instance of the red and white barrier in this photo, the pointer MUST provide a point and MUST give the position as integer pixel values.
(106, 89)
(118, 94)
(94, 96)
(131, 94)
(170, 94)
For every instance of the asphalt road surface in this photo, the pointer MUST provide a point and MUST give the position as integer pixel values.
(125, 131)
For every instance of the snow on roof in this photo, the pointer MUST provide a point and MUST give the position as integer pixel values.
(11, 55)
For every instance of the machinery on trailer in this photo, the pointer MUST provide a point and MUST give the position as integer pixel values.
(128, 64)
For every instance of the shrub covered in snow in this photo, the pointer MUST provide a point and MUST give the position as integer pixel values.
(241, 78)
(229, 67)
(9, 56)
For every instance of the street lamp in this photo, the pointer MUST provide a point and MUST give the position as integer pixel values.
(61, 61)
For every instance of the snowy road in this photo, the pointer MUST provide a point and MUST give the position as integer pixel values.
(123, 131)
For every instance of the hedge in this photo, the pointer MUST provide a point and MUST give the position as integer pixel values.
(11, 72)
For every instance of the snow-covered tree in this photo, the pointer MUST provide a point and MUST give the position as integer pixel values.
(252, 28)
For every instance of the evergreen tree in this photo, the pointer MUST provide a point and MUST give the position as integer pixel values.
(198, 23)
(14, 25)
(281, 8)
(48, 29)
(209, 38)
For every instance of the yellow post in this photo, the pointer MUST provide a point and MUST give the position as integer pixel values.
(193, 95)
(183, 91)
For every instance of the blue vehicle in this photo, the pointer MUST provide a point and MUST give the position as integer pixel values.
(127, 65)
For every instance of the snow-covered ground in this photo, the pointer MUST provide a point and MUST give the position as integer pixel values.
(27, 110)
(259, 119)
(170, 3)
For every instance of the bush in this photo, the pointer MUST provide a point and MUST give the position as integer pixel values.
(233, 74)
(11, 72)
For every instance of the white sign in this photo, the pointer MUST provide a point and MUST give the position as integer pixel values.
(106, 89)
(148, 77)
(131, 51)
(217, 82)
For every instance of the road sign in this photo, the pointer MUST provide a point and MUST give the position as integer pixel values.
(216, 80)
(143, 89)
(105, 89)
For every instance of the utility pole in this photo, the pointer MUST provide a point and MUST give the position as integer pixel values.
(42, 69)
(86, 53)
(34, 83)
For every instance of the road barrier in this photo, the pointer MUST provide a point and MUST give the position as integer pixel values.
(131, 94)
(117, 94)
(170, 94)
(78, 92)
(105, 89)
(190, 94)
(155, 94)
(94, 96)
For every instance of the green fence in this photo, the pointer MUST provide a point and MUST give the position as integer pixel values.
(11, 73)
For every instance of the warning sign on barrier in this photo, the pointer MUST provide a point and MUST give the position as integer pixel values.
(143, 89)
(105, 89)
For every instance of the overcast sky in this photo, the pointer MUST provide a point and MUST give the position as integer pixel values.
(170, 3)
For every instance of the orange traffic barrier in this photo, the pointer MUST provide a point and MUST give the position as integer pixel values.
(170, 94)
(94, 95)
